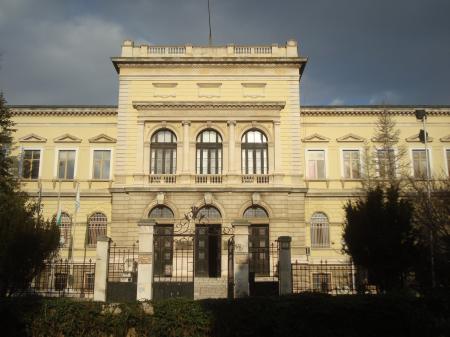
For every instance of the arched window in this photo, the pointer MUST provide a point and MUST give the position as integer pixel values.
(254, 153)
(97, 224)
(320, 230)
(208, 213)
(255, 212)
(161, 211)
(209, 152)
(163, 149)
(208, 243)
(65, 228)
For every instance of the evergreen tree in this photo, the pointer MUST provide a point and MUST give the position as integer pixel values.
(26, 239)
(378, 235)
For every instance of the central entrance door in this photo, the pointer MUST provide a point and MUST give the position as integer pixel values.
(207, 250)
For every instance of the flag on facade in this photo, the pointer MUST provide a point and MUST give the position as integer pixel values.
(77, 199)
(58, 215)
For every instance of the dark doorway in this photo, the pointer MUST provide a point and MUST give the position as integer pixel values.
(207, 250)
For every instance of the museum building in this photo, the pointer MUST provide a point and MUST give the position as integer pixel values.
(220, 129)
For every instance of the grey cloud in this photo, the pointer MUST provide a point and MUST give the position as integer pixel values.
(360, 51)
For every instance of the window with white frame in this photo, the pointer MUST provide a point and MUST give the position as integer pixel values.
(97, 227)
(101, 164)
(447, 152)
(419, 159)
(209, 152)
(352, 164)
(66, 164)
(163, 151)
(386, 163)
(315, 164)
(30, 164)
(254, 152)
(320, 231)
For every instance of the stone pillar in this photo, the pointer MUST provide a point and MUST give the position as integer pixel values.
(231, 147)
(284, 265)
(186, 125)
(145, 261)
(241, 270)
(277, 147)
(101, 269)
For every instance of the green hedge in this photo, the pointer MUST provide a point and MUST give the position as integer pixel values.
(304, 315)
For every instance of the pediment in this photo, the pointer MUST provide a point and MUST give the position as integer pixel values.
(67, 138)
(445, 139)
(102, 138)
(415, 139)
(350, 138)
(315, 138)
(32, 138)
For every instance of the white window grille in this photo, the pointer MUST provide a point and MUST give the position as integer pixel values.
(320, 231)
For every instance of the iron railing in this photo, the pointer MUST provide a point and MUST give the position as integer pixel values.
(64, 278)
(123, 263)
(330, 278)
(263, 261)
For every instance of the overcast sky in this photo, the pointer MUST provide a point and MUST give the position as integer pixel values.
(360, 51)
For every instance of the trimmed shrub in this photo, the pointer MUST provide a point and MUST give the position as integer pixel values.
(309, 315)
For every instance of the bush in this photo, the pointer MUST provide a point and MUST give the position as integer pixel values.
(304, 315)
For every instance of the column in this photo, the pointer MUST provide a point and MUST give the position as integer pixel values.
(241, 268)
(186, 125)
(284, 265)
(277, 147)
(145, 258)
(231, 146)
(101, 269)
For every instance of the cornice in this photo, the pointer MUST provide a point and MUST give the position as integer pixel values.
(119, 62)
(207, 105)
(38, 110)
(372, 110)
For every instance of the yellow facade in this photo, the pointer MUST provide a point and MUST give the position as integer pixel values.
(229, 89)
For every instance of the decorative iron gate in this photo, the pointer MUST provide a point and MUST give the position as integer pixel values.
(173, 263)
(122, 274)
(263, 269)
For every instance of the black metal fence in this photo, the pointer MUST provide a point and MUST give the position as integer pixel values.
(64, 278)
(263, 270)
(122, 273)
(326, 278)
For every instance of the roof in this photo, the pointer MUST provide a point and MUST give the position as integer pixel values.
(309, 110)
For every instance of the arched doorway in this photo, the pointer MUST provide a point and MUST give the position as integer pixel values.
(208, 243)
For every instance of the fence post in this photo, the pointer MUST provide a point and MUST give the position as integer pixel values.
(145, 260)
(101, 269)
(241, 267)
(284, 265)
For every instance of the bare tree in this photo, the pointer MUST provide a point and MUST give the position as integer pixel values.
(385, 163)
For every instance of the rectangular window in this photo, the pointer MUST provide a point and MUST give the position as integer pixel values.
(420, 163)
(352, 164)
(102, 164)
(66, 164)
(448, 161)
(386, 163)
(316, 164)
(321, 282)
(30, 164)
